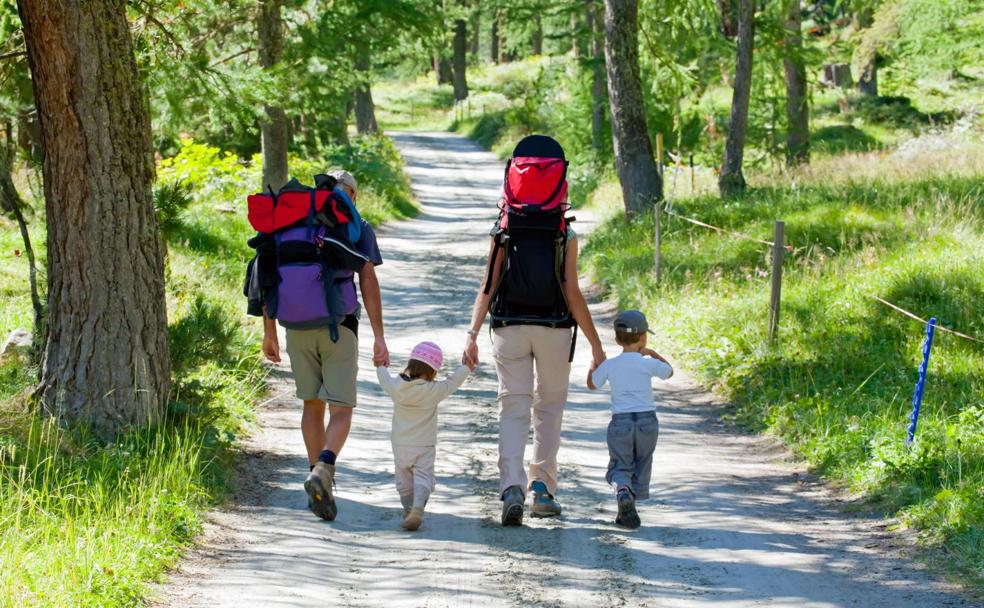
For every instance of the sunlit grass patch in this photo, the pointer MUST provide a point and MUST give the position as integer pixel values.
(838, 385)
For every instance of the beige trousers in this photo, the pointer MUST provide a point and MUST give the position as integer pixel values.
(534, 373)
(415, 472)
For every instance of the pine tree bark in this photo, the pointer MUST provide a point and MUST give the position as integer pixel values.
(442, 68)
(460, 61)
(105, 361)
(475, 23)
(641, 183)
(797, 107)
(274, 129)
(594, 22)
(365, 112)
(868, 75)
(731, 180)
(536, 42)
(867, 59)
(577, 47)
(494, 39)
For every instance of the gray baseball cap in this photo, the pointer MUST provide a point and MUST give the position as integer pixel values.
(344, 177)
(632, 322)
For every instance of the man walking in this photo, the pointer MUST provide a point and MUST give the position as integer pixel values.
(325, 370)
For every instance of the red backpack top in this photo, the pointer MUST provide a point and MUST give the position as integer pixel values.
(532, 234)
(535, 184)
(269, 212)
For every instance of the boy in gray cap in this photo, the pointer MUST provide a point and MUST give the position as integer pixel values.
(634, 427)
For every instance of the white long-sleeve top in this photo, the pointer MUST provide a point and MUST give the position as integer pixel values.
(415, 405)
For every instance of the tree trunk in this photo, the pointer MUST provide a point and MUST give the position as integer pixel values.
(536, 44)
(866, 62)
(274, 130)
(641, 183)
(504, 55)
(494, 39)
(576, 35)
(594, 23)
(442, 68)
(365, 113)
(476, 23)
(731, 180)
(460, 59)
(29, 135)
(10, 200)
(337, 125)
(868, 75)
(726, 14)
(105, 361)
(797, 108)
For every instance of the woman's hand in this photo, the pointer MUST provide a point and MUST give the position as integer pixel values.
(470, 356)
(598, 355)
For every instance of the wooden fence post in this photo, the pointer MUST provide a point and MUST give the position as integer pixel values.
(658, 244)
(659, 154)
(693, 177)
(778, 251)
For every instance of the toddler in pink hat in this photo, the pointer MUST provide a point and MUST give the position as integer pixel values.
(416, 393)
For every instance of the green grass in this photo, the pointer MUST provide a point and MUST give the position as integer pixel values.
(838, 385)
(89, 524)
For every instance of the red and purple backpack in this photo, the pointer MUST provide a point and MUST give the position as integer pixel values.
(305, 246)
(532, 233)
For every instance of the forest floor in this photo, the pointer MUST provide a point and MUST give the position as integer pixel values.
(733, 522)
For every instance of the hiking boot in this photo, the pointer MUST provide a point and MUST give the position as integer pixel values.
(318, 485)
(512, 506)
(627, 516)
(544, 504)
(413, 519)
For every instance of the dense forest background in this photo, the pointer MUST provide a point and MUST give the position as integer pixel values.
(858, 122)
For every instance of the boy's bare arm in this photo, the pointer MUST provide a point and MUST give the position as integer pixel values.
(655, 355)
(591, 384)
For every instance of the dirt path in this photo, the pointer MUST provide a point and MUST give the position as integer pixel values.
(730, 523)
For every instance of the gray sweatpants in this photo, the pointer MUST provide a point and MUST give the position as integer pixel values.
(631, 442)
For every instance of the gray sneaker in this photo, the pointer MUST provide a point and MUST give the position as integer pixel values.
(318, 485)
(512, 506)
(544, 504)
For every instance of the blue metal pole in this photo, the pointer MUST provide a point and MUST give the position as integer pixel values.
(921, 382)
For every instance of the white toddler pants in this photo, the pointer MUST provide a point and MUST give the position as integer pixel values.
(415, 472)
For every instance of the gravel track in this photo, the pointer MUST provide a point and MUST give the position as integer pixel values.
(732, 522)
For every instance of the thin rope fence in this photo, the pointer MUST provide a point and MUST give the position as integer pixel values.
(737, 235)
(916, 317)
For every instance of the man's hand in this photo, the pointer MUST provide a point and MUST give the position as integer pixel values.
(380, 354)
(271, 347)
(470, 356)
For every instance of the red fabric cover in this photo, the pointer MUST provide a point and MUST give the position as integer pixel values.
(291, 207)
(531, 180)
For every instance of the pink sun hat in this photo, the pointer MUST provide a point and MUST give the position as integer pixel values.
(429, 353)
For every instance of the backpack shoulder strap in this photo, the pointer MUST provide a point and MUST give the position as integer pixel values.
(497, 234)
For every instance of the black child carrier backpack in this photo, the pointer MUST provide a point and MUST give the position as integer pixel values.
(531, 233)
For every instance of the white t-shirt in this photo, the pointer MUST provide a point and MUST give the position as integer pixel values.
(630, 375)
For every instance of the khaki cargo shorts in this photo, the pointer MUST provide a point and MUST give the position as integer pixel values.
(324, 369)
